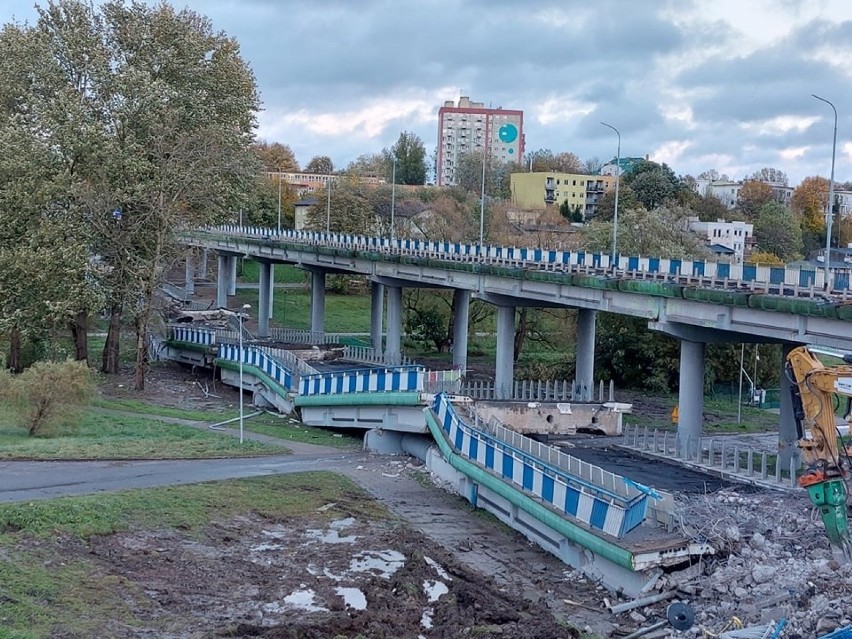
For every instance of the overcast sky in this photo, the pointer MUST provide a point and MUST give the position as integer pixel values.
(723, 84)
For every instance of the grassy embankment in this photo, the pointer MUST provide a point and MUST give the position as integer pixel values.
(50, 586)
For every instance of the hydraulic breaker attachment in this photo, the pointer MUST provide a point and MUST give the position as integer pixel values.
(829, 497)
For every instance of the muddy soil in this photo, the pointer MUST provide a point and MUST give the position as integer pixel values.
(254, 577)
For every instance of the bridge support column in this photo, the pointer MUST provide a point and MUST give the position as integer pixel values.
(585, 364)
(504, 373)
(461, 304)
(263, 301)
(317, 304)
(189, 275)
(788, 436)
(202, 265)
(691, 393)
(223, 273)
(393, 345)
(232, 277)
(271, 288)
(377, 302)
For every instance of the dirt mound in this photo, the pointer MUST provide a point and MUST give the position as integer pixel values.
(252, 577)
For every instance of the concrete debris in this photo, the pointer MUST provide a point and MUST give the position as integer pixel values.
(773, 562)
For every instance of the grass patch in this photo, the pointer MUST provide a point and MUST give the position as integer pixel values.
(292, 309)
(45, 594)
(284, 273)
(109, 436)
(138, 406)
(283, 428)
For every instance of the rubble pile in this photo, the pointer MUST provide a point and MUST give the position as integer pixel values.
(773, 562)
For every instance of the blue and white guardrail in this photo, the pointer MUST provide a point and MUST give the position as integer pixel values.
(599, 508)
(192, 335)
(257, 358)
(553, 259)
(400, 379)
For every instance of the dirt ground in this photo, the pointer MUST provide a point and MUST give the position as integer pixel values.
(252, 577)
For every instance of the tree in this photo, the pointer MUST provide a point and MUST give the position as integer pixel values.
(770, 175)
(660, 233)
(752, 197)
(320, 164)
(776, 231)
(546, 160)
(626, 200)
(147, 116)
(350, 210)
(275, 157)
(809, 203)
(260, 206)
(369, 165)
(497, 175)
(410, 157)
(653, 184)
(708, 208)
(591, 166)
(713, 175)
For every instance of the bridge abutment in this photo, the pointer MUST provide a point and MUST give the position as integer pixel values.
(585, 364)
(461, 306)
(377, 302)
(504, 372)
(691, 393)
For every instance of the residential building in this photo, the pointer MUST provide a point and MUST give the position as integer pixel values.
(737, 237)
(305, 183)
(622, 166)
(472, 127)
(543, 189)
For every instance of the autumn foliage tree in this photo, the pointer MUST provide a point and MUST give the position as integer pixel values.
(809, 203)
(753, 195)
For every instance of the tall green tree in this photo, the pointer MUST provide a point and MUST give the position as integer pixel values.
(275, 156)
(147, 115)
(653, 184)
(410, 157)
(321, 164)
(777, 231)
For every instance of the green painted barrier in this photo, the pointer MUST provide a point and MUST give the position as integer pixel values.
(578, 535)
(390, 398)
(270, 383)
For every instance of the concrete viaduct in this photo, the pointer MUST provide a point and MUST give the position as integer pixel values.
(392, 268)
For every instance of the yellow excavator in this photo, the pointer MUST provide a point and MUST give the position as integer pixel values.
(827, 466)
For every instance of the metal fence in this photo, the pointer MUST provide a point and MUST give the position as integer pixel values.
(539, 391)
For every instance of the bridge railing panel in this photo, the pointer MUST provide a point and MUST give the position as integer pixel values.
(600, 508)
(255, 357)
(192, 334)
(363, 381)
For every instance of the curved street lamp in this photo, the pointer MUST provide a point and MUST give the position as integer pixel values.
(617, 180)
(830, 213)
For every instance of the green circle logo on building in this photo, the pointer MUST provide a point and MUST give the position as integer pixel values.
(508, 133)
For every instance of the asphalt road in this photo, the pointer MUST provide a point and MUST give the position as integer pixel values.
(26, 481)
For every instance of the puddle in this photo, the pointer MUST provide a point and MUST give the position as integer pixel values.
(426, 619)
(443, 574)
(332, 535)
(434, 589)
(383, 562)
(353, 597)
(301, 599)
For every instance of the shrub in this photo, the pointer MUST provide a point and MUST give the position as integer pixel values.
(48, 395)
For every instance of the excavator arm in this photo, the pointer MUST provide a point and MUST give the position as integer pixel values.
(827, 461)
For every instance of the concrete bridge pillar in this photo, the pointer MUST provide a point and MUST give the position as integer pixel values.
(461, 304)
(263, 299)
(202, 265)
(223, 273)
(585, 364)
(788, 436)
(377, 302)
(504, 374)
(232, 277)
(271, 288)
(189, 275)
(691, 394)
(318, 303)
(393, 345)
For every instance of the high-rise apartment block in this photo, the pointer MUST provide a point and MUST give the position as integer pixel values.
(471, 127)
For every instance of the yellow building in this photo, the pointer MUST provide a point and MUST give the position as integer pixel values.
(546, 189)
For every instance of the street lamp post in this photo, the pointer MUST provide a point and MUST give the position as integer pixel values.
(482, 202)
(279, 201)
(617, 181)
(393, 196)
(328, 206)
(830, 213)
(243, 311)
